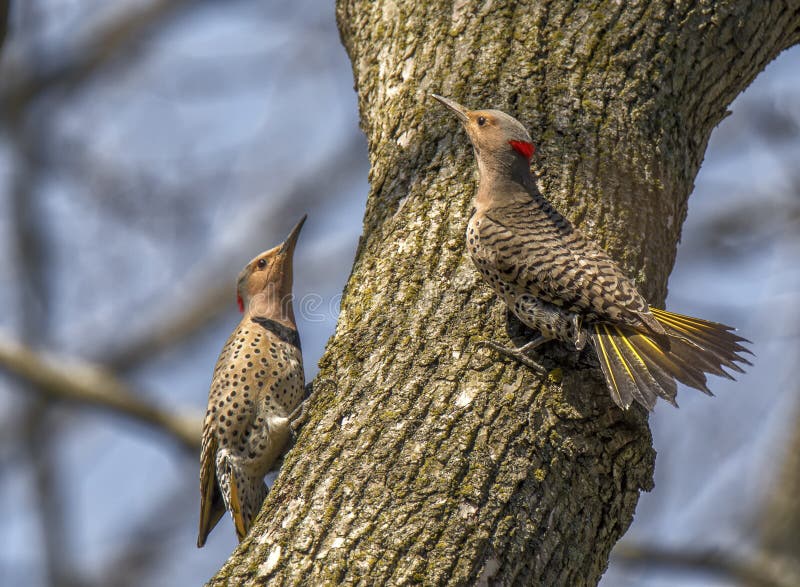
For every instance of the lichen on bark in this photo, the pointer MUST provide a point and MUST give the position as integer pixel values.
(427, 459)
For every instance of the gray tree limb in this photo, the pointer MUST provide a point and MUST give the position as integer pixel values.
(778, 524)
(62, 379)
(4, 10)
(212, 282)
(759, 570)
(22, 85)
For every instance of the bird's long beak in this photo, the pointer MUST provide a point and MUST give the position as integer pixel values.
(460, 111)
(291, 240)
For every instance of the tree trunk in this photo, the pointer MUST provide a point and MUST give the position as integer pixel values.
(426, 458)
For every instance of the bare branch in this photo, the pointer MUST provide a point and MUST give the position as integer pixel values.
(39, 438)
(779, 521)
(753, 571)
(212, 284)
(60, 378)
(77, 68)
(4, 9)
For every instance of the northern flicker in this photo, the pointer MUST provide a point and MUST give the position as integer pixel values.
(256, 390)
(560, 284)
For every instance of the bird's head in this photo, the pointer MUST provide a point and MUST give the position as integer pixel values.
(264, 286)
(500, 141)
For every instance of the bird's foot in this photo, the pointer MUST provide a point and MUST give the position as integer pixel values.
(299, 417)
(531, 345)
(300, 414)
(518, 354)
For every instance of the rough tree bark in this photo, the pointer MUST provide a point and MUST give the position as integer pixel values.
(427, 459)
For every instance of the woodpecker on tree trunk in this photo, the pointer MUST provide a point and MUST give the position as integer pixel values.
(562, 285)
(256, 391)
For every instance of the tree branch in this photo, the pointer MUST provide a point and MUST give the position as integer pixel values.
(61, 379)
(212, 282)
(753, 571)
(778, 522)
(4, 10)
(76, 67)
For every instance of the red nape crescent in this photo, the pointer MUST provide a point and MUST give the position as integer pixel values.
(240, 303)
(524, 148)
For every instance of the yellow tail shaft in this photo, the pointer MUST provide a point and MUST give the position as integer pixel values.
(637, 368)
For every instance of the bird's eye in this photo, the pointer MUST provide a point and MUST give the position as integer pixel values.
(481, 120)
(262, 263)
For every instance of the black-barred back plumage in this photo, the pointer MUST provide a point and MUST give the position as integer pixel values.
(566, 288)
(257, 384)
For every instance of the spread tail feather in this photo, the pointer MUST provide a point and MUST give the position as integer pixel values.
(638, 368)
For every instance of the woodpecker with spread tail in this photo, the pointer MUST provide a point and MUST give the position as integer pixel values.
(256, 391)
(560, 284)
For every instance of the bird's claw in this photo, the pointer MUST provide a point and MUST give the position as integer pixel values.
(298, 417)
(516, 354)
